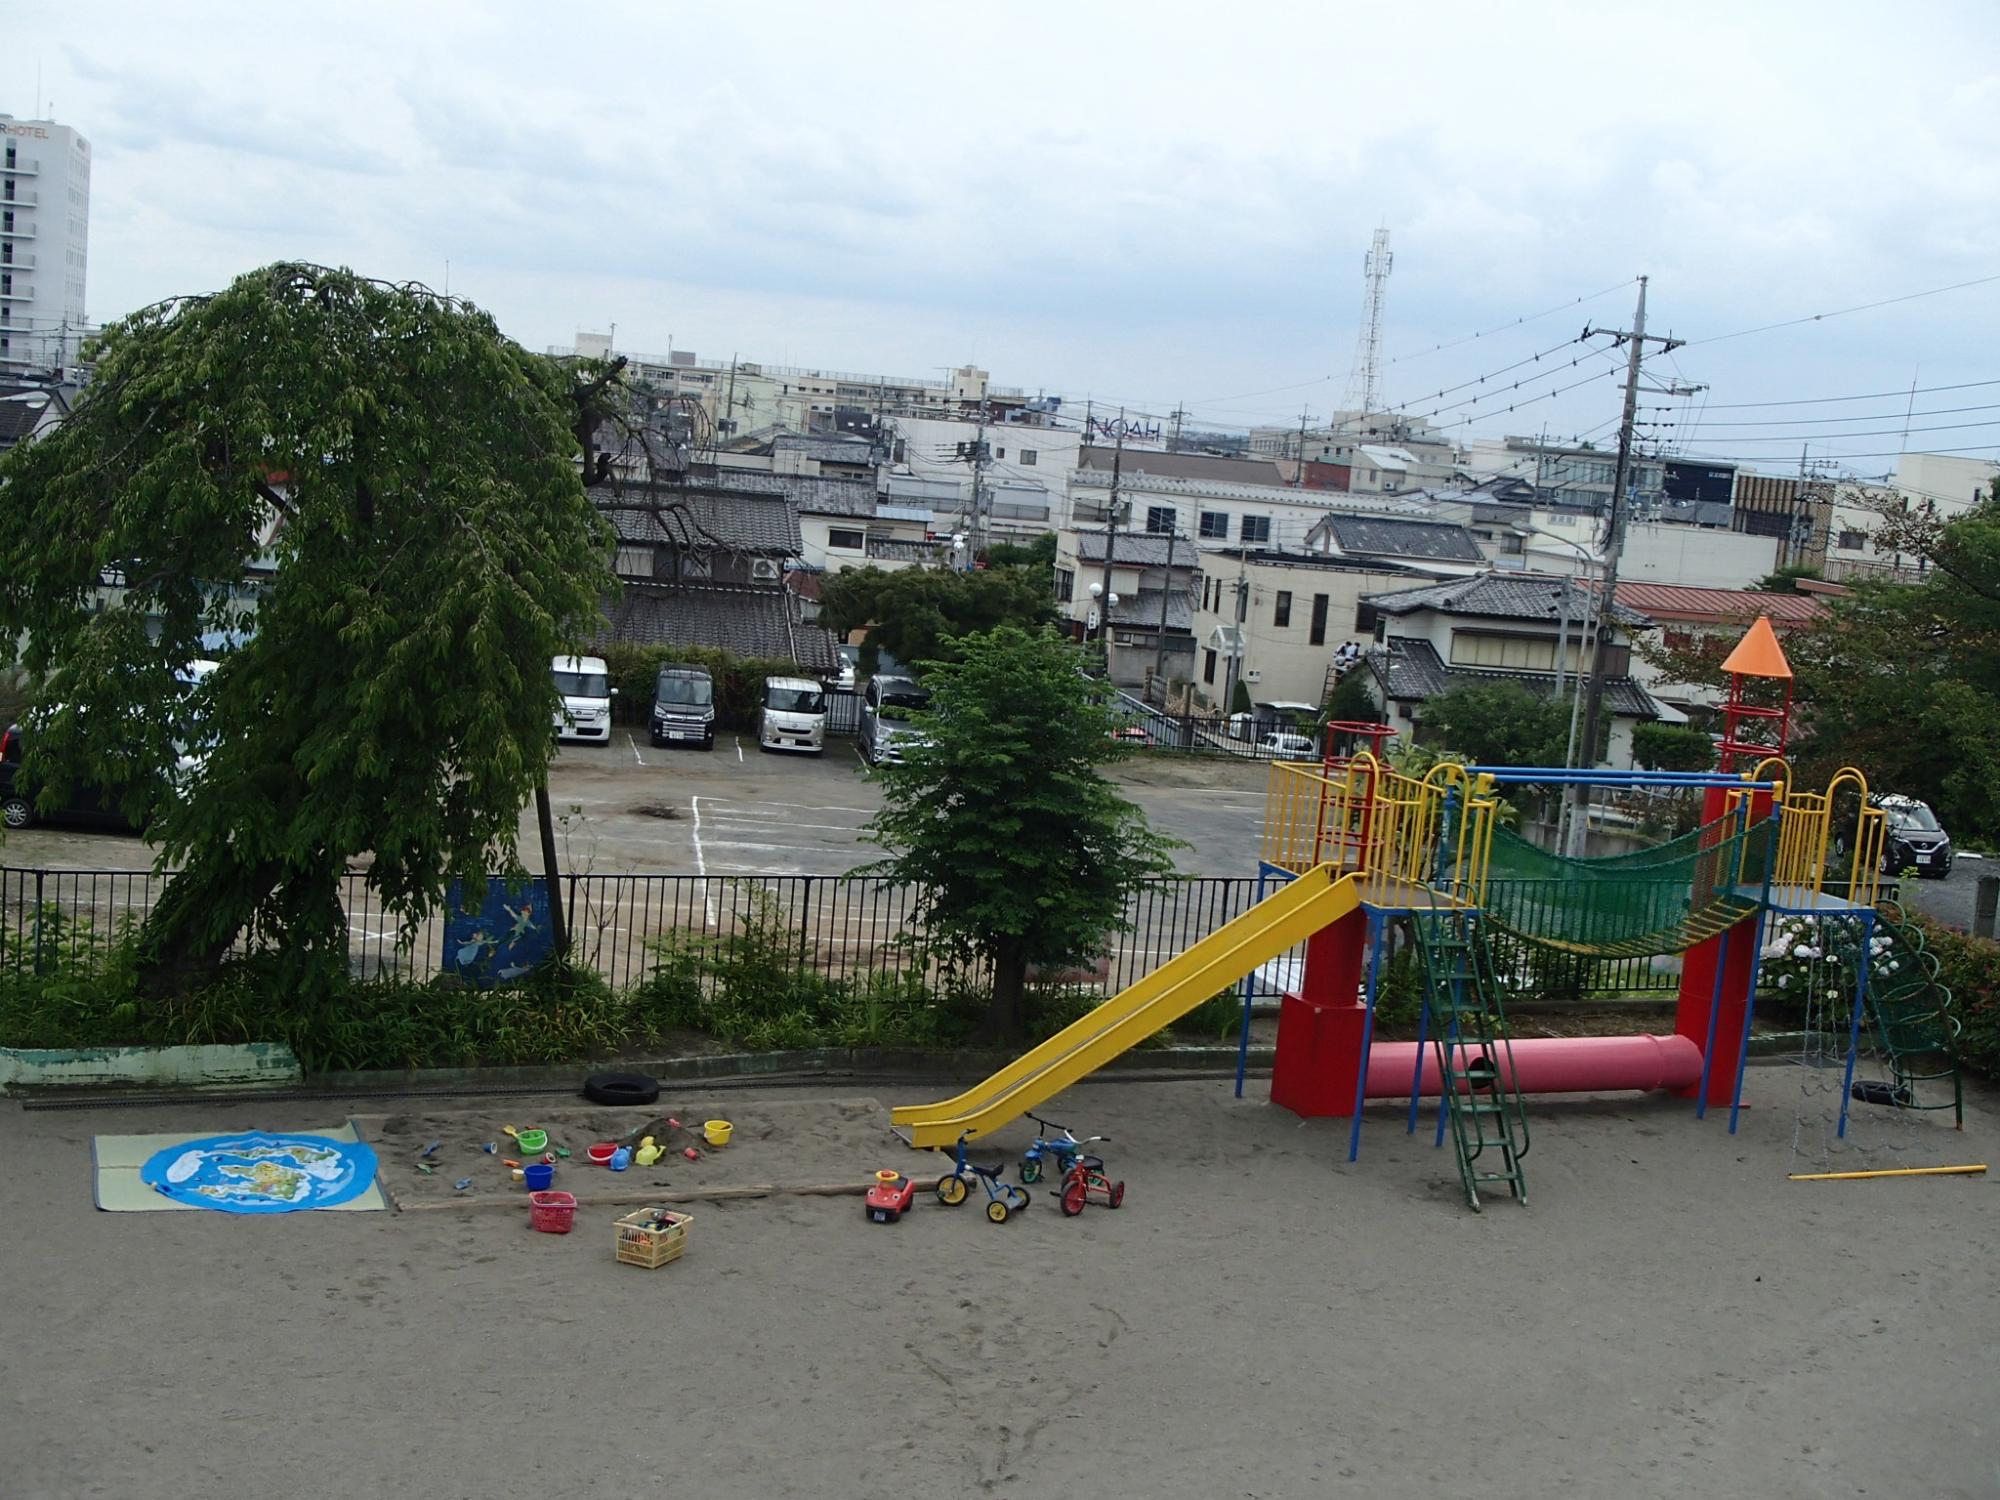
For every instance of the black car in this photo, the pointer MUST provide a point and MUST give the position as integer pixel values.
(88, 806)
(1913, 839)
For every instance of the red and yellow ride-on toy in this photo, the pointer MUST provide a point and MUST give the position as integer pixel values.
(890, 1198)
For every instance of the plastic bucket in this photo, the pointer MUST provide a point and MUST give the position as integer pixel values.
(717, 1131)
(532, 1142)
(540, 1177)
(600, 1154)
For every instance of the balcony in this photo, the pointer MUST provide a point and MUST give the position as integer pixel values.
(15, 231)
(22, 166)
(12, 197)
(17, 262)
(18, 294)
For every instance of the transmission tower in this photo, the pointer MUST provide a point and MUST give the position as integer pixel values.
(1364, 385)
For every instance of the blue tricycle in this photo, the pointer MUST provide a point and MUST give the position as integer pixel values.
(1062, 1152)
(1002, 1198)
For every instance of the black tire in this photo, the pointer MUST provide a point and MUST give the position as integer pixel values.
(709, 743)
(620, 1089)
(1031, 1171)
(17, 811)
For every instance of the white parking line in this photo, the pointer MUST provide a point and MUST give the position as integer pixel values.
(701, 861)
(739, 750)
(635, 748)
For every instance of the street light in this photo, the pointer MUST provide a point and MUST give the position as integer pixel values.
(1523, 530)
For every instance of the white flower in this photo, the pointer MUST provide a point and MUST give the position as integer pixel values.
(1833, 994)
(1802, 951)
(1784, 981)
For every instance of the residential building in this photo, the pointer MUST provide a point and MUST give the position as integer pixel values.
(1275, 619)
(1149, 630)
(44, 242)
(1437, 547)
(1578, 475)
(703, 564)
(1797, 510)
(1683, 616)
(1942, 485)
(1498, 627)
(1026, 474)
(29, 408)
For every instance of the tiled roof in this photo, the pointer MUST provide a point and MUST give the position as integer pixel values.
(1508, 596)
(1140, 549)
(745, 622)
(698, 519)
(896, 549)
(1674, 601)
(1142, 610)
(828, 450)
(1391, 536)
(1411, 670)
(21, 407)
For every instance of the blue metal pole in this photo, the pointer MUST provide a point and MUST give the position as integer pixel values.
(1749, 1014)
(1714, 1018)
(1417, 1078)
(1854, 1022)
(1249, 990)
(1367, 1029)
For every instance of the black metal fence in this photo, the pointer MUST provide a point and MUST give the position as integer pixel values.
(850, 927)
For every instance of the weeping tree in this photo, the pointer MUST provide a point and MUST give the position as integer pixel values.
(401, 486)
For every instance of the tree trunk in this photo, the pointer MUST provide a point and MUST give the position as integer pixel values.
(1007, 1020)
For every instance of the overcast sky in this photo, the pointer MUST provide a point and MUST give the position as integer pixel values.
(1142, 203)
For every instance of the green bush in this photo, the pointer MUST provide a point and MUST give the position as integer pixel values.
(1672, 747)
(1970, 968)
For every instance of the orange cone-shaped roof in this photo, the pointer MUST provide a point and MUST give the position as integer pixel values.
(1758, 654)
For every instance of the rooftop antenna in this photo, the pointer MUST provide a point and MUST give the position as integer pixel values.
(1364, 384)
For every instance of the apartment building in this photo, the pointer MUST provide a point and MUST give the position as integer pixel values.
(44, 242)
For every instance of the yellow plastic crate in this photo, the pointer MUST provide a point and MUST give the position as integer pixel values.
(643, 1241)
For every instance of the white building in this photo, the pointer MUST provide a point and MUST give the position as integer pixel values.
(1940, 484)
(1026, 473)
(44, 241)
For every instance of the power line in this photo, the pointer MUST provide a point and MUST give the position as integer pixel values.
(1796, 437)
(1764, 458)
(1516, 323)
(1877, 416)
(1841, 312)
(1922, 390)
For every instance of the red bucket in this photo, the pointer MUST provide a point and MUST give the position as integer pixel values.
(552, 1213)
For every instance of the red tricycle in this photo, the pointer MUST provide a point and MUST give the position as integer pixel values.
(890, 1198)
(1086, 1183)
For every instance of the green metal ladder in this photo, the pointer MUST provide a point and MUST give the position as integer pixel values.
(1467, 1025)
(1910, 1016)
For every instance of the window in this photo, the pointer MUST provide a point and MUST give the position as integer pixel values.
(1320, 602)
(1160, 520)
(1281, 616)
(1065, 585)
(634, 562)
(1208, 666)
(1851, 541)
(1255, 529)
(846, 541)
(1028, 458)
(999, 453)
(1215, 524)
(1508, 653)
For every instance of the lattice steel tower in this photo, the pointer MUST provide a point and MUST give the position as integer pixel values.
(1364, 385)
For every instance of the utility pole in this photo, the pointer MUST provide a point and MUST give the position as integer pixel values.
(1241, 613)
(1174, 442)
(1593, 709)
(1111, 540)
(979, 451)
(1089, 408)
(1166, 592)
(729, 402)
(1299, 479)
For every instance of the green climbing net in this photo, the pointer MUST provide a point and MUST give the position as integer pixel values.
(1664, 899)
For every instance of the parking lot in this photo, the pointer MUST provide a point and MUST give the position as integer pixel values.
(630, 807)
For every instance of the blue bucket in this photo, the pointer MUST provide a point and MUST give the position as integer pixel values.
(540, 1176)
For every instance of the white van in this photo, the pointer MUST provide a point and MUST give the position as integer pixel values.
(794, 716)
(585, 685)
(886, 709)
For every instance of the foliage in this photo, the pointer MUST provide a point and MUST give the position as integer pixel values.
(410, 478)
(917, 614)
(739, 681)
(1499, 724)
(1038, 557)
(1672, 747)
(1970, 968)
(1786, 579)
(1022, 849)
(1239, 698)
(1352, 701)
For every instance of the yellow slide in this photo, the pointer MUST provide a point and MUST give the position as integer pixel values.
(1279, 922)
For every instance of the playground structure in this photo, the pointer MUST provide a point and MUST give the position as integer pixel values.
(1354, 850)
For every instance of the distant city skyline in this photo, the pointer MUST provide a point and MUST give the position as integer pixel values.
(1156, 211)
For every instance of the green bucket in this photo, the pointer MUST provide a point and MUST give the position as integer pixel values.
(532, 1142)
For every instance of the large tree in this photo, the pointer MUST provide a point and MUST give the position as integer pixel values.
(406, 482)
(1499, 723)
(1021, 850)
(915, 614)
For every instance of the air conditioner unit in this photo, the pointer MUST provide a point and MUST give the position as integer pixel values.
(1253, 674)
(764, 569)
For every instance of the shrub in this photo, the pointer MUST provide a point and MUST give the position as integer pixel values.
(1970, 968)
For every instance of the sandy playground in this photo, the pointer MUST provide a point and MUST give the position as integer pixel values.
(1668, 1317)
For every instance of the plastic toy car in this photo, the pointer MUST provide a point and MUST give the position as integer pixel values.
(889, 1199)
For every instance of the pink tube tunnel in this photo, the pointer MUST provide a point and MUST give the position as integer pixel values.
(1552, 1065)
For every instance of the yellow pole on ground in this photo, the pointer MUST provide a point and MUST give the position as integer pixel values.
(1886, 1172)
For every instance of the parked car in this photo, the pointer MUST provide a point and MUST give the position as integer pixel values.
(87, 806)
(585, 685)
(1287, 742)
(683, 706)
(1914, 837)
(886, 709)
(794, 716)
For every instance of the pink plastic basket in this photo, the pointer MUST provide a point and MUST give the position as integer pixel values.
(552, 1213)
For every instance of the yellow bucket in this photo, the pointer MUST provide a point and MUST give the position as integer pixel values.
(717, 1131)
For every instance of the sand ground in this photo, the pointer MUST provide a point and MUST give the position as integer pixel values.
(1668, 1317)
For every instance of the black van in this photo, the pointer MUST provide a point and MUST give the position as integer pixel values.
(88, 806)
(683, 706)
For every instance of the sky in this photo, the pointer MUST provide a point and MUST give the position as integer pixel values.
(1151, 205)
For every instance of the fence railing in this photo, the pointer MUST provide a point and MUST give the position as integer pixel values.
(838, 927)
